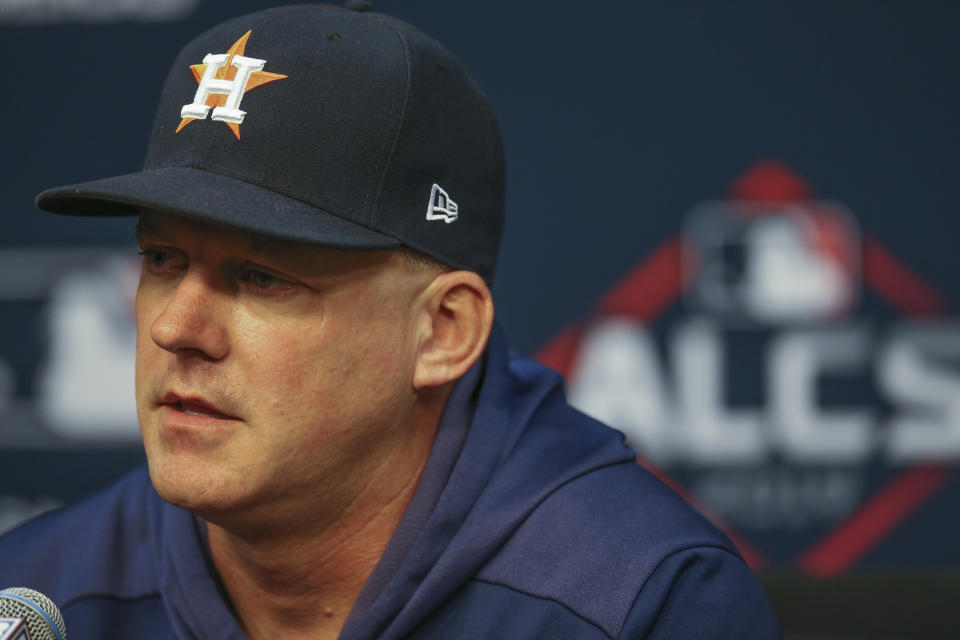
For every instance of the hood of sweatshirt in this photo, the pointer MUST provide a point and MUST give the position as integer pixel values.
(507, 441)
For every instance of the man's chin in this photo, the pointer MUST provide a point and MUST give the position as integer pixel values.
(203, 492)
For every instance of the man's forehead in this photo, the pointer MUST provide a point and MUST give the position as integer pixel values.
(175, 229)
(161, 224)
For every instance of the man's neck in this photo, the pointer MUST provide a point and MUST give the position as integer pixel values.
(301, 586)
(301, 582)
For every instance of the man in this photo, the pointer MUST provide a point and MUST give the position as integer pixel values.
(339, 443)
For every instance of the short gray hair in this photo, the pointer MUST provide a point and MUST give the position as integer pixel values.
(416, 261)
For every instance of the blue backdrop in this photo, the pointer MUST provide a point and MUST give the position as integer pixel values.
(654, 151)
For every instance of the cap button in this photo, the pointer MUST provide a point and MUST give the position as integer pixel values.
(360, 6)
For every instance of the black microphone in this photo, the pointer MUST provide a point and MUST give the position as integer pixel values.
(42, 617)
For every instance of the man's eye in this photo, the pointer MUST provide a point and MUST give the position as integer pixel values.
(260, 279)
(154, 258)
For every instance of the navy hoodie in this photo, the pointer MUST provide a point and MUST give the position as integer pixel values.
(530, 520)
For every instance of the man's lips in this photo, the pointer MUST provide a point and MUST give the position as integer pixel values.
(194, 406)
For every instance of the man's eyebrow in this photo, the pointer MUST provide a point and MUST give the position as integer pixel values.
(259, 244)
(146, 227)
(149, 227)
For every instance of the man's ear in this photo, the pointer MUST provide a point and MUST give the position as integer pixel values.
(454, 326)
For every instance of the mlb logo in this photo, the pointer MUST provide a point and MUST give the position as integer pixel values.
(772, 264)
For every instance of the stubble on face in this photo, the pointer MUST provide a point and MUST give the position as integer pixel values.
(298, 360)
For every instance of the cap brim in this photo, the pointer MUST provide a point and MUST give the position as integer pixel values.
(208, 196)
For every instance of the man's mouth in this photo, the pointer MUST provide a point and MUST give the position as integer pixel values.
(195, 407)
(198, 410)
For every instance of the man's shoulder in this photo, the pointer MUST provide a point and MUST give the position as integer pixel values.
(613, 546)
(622, 503)
(613, 524)
(579, 540)
(605, 499)
(91, 546)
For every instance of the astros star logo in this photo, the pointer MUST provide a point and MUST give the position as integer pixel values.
(223, 79)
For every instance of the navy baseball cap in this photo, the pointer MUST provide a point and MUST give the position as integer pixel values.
(336, 126)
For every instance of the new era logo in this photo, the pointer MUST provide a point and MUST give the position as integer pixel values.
(441, 206)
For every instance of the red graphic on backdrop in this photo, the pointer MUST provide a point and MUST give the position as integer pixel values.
(659, 281)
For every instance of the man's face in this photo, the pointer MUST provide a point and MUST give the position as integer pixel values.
(271, 375)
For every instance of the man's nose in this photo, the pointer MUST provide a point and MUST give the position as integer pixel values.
(191, 322)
